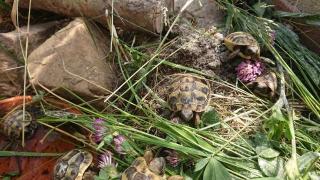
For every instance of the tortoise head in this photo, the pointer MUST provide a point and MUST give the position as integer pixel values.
(253, 51)
(186, 114)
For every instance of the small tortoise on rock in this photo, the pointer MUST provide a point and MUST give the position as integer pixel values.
(189, 95)
(73, 165)
(242, 44)
(147, 168)
(13, 123)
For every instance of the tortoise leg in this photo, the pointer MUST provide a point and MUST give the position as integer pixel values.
(267, 60)
(197, 119)
(175, 118)
(233, 54)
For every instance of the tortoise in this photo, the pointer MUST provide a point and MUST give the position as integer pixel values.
(242, 44)
(265, 85)
(189, 95)
(73, 165)
(147, 168)
(13, 123)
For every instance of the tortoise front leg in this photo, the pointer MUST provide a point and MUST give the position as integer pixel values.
(175, 118)
(197, 120)
(233, 54)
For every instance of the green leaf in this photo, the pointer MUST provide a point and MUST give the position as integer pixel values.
(277, 125)
(201, 164)
(267, 178)
(310, 19)
(260, 8)
(108, 139)
(109, 172)
(210, 116)
(215, 171)
(101, 144)
(27, 154)
(266, 152)
(270, 167)
(306, 161)
(261, 140)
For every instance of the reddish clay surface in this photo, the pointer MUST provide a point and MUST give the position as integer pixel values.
(35, 168)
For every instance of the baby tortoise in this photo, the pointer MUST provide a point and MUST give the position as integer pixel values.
(13, 123)
(73, 165)
(242, 44)
(147, 168)
(265, 85)
(189, 95)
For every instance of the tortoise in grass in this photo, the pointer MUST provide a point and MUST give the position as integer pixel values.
(242, 44)
(189, 95)
(73, 165)
(13, 123)
(147, 168)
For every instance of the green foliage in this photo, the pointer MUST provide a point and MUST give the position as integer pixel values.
(307, 62)
(305, 18)
(215, 171)
(107, 173)
(306, 162)
(266, 152)
(307, 86)
(4, 6)
(271, 167)
(210, 116)
(201, 164)
(277, 125)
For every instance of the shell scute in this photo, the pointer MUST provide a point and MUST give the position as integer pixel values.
(244, 44)
(72, 165)
(189, 92)
(14, 121)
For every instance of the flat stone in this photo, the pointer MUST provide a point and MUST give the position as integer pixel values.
(76, 58)
(37, 34)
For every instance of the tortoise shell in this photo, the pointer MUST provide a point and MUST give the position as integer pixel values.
(188, 92)
(265, 85)
(13, 123)
(244, 42)
(141, 169)
(72, 165)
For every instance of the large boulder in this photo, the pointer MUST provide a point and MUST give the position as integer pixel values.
(75, 58)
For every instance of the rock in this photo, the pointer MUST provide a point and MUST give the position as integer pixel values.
(37, 35)
(76, 58)
(203, 14)
(309, 34)
(10, 76)
(308, 6)
(132, 15)
(202, 50)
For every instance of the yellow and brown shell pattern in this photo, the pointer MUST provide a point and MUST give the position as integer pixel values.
(242, 44)
(72, 165)
(139, 170)
(13, 123)
(188, 92)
